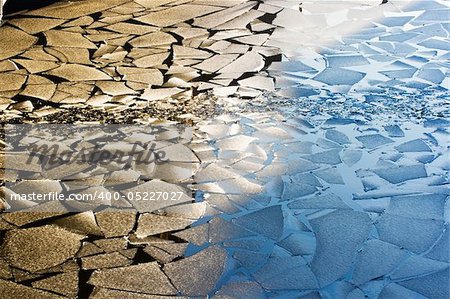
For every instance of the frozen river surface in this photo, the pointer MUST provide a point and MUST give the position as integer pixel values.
(325, 174)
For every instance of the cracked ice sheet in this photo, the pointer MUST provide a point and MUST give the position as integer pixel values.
(263, 225)
(339, 227)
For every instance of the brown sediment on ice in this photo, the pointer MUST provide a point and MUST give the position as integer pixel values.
(90, 60)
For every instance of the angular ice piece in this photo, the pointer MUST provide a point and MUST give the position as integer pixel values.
(106, 260)
(61, 38)
(241, 289)
(431, 286)
(236, 143)
(64, 283)
(216, 62)
(297, 92)
(434, 43)
(395, 21)
(176, 14)
(346, 60)
(417, 145)
(339, 76)
(295, 190)
(271, 134)
(425, 159)
(416, 235)
(395, 291)
(306, 178)
(434, 15)
(401, 174)
(78, 72)
(268, 222)
(152, 94)
(330, 175)
(377, 258)
(197, 235)
(249, 62)
(394, 131)
(286, 273)
(328, 201)
(254, 244)
(374, 140)
(417, 266)
(426, 206)
(151, 224)
(14, 41)
(223, 15)
(417, 85)
(299, 244)
(440, 250)
(431, 30)
(339, 234)
(290, 66)
(328, 157)
(299, 147)
(336, 136)
(179, 153)
(327, 144)
(197, 275)
(400, 37)
(258, 82)
(350, 156)
(134, 279)
(221, 230)
(37, 248)
(9, 289)
(432, 75)
(400, 74)
(436, 122)
(250, 259)
(158, 254)
(80, 223)
(239, 185)
(341, 121)
(299, 165)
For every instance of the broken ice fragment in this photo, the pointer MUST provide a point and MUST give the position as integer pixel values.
(38, 248)
(328, 157)
(417, 265)
(286, 273)
(374, 140)
(417, 145)
(135, 279)
(197, 275)
(394, 131)
(221, 230)
(426, 206)
(9, 289)
(377, 258)
(413, 234)
(336, 136)
(339, 76)
(151, 224)
(76, 72)
(267, 221)
(400, 174)
(339, 234)
(431, 286)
